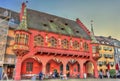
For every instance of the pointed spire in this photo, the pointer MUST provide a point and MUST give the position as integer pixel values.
(23, 18)
(92, 33)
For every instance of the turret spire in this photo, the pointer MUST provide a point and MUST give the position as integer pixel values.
(92, 33)
(23, 18)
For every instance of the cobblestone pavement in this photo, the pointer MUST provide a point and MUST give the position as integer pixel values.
(70, 80)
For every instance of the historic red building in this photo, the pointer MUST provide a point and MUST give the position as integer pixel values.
(48, 43)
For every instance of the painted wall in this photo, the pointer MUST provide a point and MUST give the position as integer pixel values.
(108, 50)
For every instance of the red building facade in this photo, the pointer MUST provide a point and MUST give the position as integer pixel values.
(47, 43)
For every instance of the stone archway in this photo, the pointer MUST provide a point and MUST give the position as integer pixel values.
(89, 69)
(31, 66)
(54, 65)
(73, 68)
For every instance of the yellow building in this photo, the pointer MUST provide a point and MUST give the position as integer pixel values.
(106, 51)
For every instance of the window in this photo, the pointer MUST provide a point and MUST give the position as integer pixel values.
(44, 25)
(100, 55)
(62, 28)
(16, 38)
(38, 40)
(26, 39)
(85, 45)
(51, 21)
(52, 42)
(20, 38)
(94, 49)
(65, 44)
(76, 45)
(29, 67)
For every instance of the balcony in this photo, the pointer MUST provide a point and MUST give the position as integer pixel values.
(20, 49)
(62, 52)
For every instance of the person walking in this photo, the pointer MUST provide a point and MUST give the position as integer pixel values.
(100, 74)
(33, 78)
(4, 76)
(85, 75)
(108, 74)
(40, 76)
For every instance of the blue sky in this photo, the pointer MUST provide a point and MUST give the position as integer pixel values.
(104, 13)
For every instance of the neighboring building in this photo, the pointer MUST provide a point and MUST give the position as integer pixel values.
(106, 51)
(48, 43)
(8, 22)
(116, 44)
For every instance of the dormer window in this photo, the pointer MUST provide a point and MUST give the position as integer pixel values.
(51, 21)
(62, 28)
(45, 25)
(77, 31)
(66, 23)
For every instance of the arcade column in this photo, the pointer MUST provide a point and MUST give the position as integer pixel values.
(81, 69)
(18, 68)
(95, 71)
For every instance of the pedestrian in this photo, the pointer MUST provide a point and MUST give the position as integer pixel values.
(85, 75)
(100, 74)
(61, 75)
(40, 76)
(4, 76)
(108, 74)
(33, 78)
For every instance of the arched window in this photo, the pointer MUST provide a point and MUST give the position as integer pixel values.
(22, 39)
(17, 38)
(38, 40)
(85, 45)
(52, 42)
(26, 39)
(76, 45)
(65, 44)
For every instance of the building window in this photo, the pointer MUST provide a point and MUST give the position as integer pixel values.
(65, 44)
(17, 38)
(105, 48)
(38, 40)
(29, 67)
(21, 39)
(99, 47)
(94, 49)
(52, 42)
(85, 45)
(26, 39)
(100, 55)
(76, 45)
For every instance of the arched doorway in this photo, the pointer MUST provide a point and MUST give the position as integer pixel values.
(73, 68)
(54, 66)
(31, 66)
(89, 68)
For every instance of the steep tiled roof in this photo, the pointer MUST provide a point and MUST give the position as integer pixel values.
(51, 23)
(46, 22)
